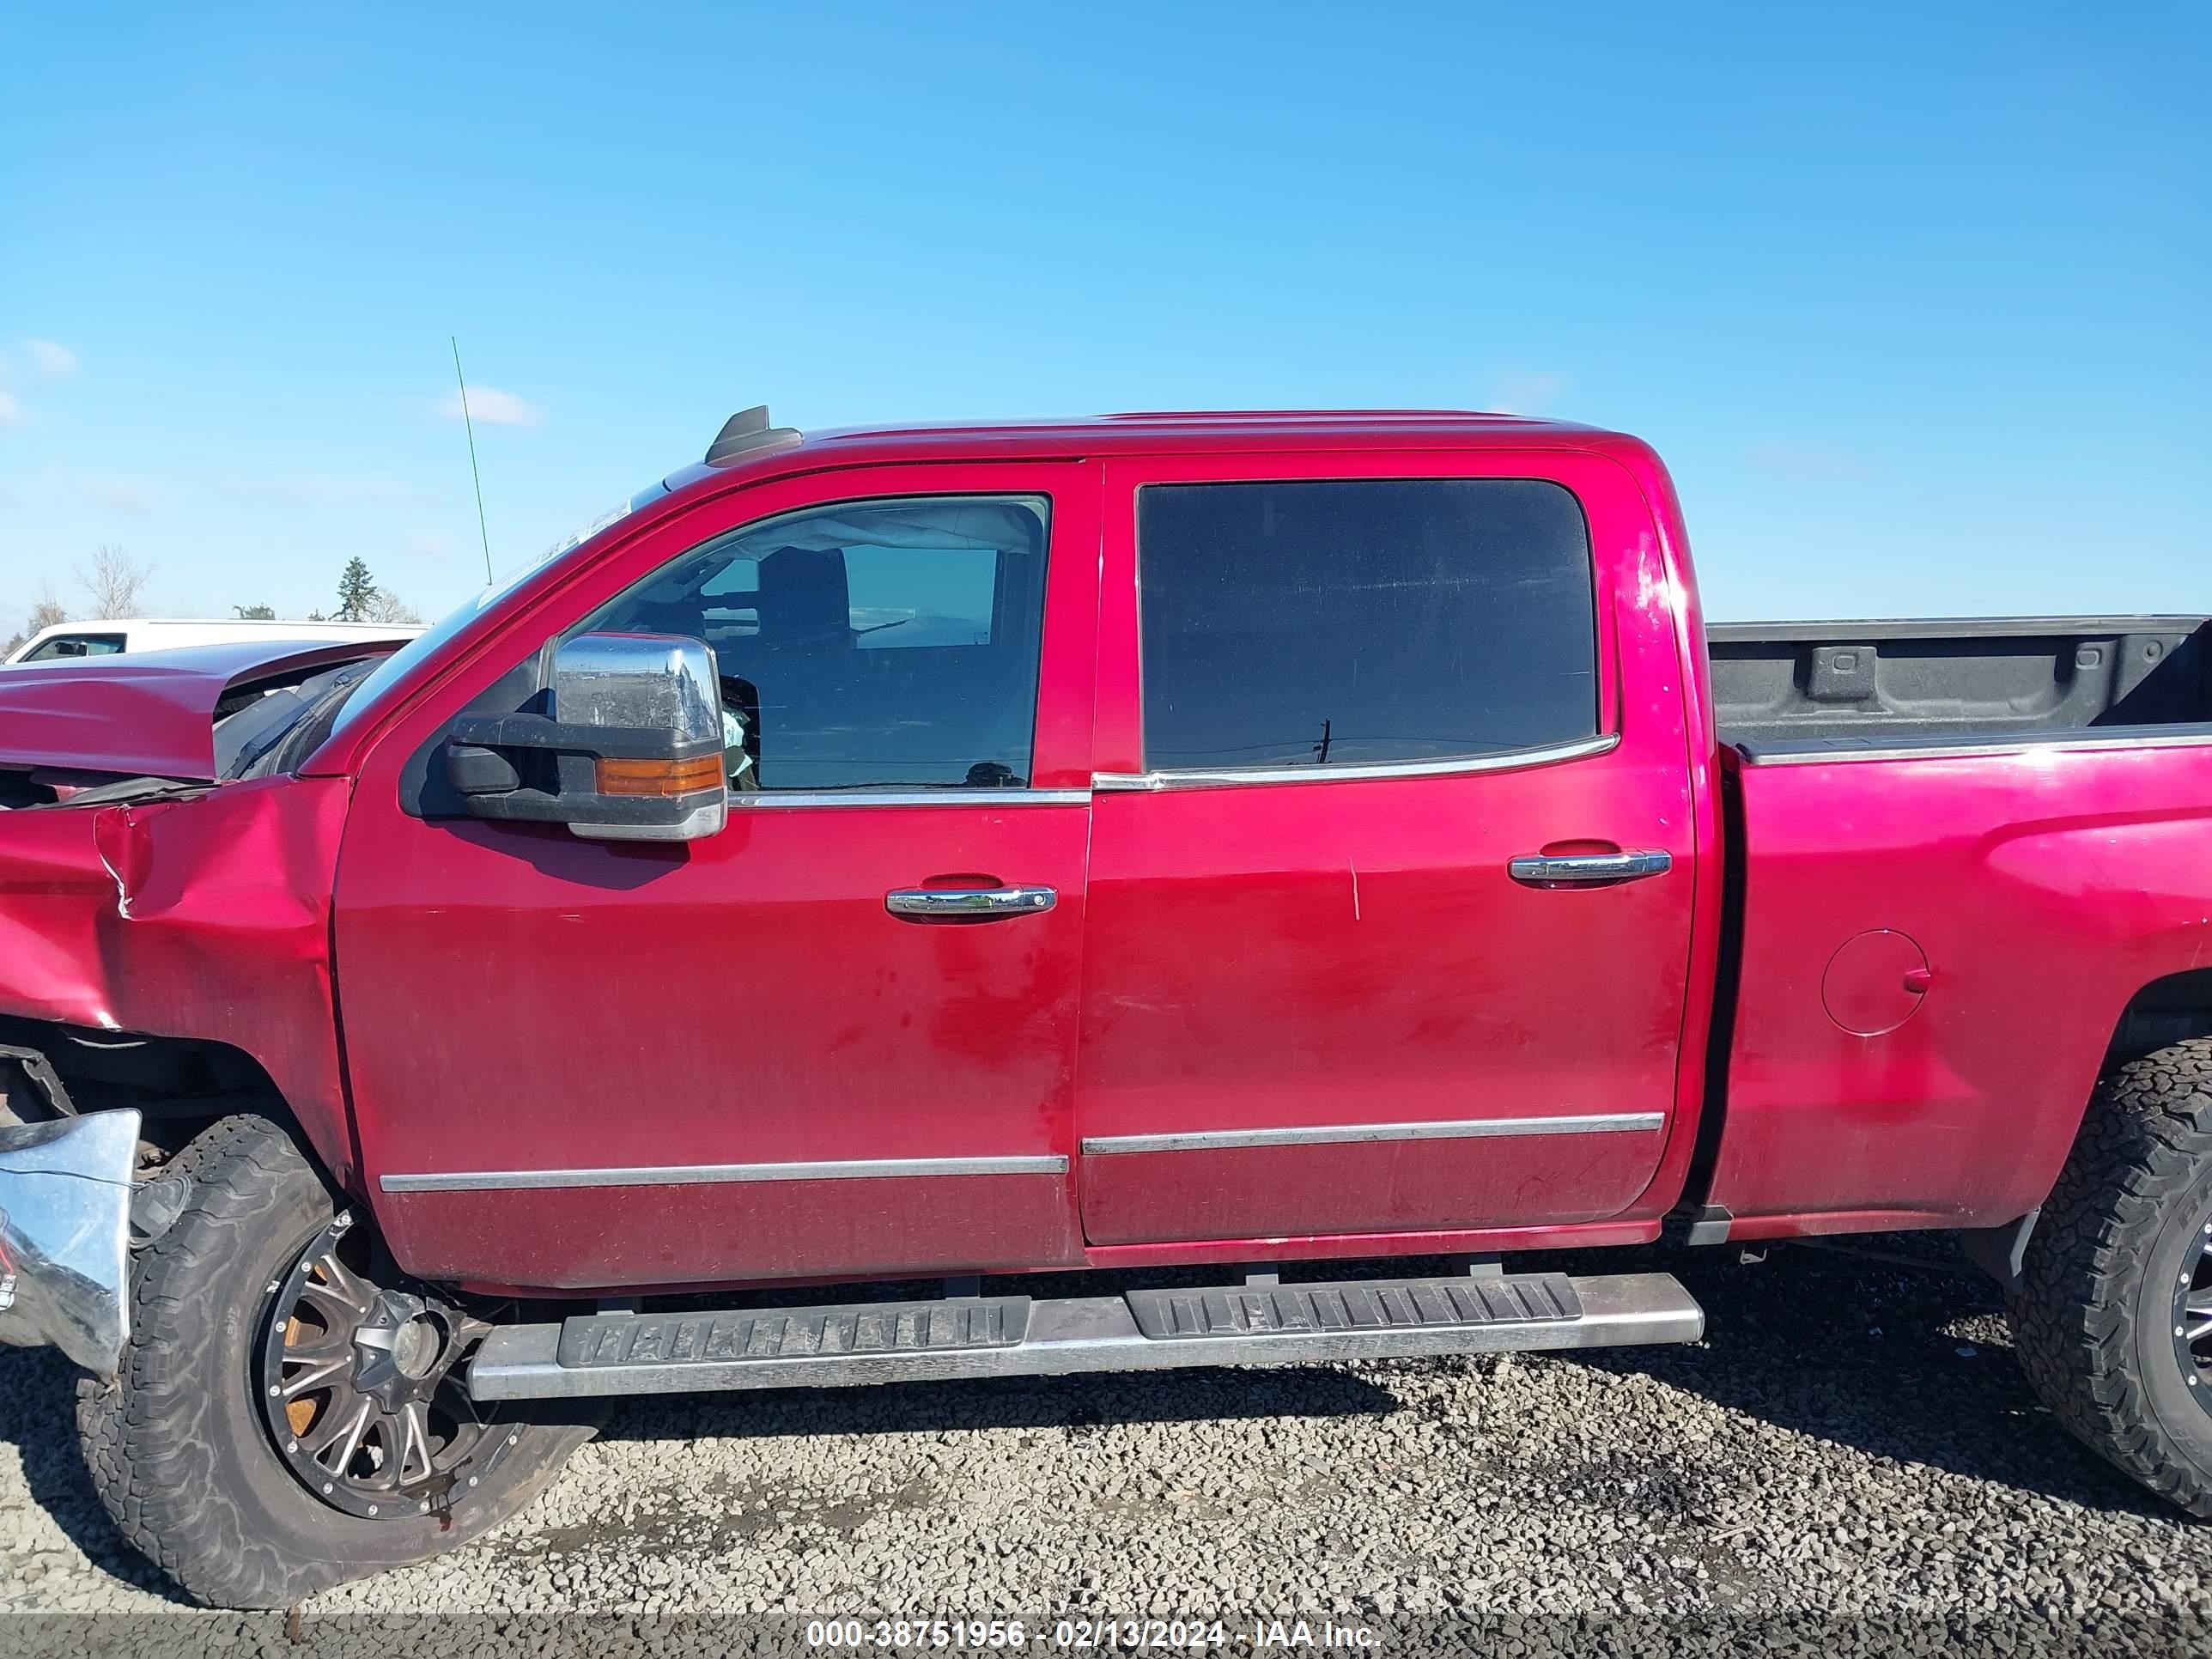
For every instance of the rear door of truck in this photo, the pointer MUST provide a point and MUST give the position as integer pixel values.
(1392, 848)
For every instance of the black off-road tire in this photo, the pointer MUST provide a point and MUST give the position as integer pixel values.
(176, 1444)
(2094, 1318)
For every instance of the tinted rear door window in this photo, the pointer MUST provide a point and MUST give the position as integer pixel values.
(1357, 623)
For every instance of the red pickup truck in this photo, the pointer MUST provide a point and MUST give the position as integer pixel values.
(878, 868)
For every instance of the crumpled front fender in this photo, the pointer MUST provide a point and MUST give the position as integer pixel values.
(206, 918)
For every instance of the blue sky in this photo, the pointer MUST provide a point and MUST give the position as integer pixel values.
(1915, 300)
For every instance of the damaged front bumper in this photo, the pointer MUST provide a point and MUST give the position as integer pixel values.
(65, 1190)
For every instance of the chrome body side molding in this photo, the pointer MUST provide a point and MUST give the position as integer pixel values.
(687, 1174)
(1325, 1134)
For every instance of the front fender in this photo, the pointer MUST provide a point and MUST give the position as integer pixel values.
(206, 918)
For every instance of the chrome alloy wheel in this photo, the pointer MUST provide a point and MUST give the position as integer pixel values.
(361, 1388)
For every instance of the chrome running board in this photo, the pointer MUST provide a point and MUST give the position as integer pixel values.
(959, 1337)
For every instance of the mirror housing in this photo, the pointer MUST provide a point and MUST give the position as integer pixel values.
(631, 750)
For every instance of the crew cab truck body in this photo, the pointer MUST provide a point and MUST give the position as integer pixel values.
(936, 854)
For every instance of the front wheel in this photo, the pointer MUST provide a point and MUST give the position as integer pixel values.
(2113, 1315)
(282, 1421)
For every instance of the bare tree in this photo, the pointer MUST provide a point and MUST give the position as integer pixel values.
(385, 606)
(46, 612)
(115, 583)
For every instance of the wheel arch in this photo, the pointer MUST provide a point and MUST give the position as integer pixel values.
(2172, 1008)
(179, 1085)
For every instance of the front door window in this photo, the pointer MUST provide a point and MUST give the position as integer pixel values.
(886, 645)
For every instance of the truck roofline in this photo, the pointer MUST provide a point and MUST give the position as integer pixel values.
(1100, 436)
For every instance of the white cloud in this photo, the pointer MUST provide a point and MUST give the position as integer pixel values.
(489, 406)
(118, 496)
(1527, 392)
(11, 412)
(49, 360)
(429, 544)
(1807, 462)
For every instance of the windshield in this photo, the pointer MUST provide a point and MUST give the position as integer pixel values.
(364, 696)
(247, 738)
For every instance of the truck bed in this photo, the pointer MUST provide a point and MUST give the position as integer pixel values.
(1808, 687)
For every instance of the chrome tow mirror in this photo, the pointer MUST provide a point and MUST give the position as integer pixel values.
(630, 749)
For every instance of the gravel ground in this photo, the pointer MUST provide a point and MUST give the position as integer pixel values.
(1850, 1461)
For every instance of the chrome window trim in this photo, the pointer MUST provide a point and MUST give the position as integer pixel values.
(770, 799)
(2001, 746)
(1508, 760)
(687, 1174)
(1328, 1134)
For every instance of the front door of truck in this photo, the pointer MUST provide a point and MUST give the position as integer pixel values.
(1390, 882)
(585, 1064)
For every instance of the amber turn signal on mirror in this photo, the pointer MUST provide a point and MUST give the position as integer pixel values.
(659, 777)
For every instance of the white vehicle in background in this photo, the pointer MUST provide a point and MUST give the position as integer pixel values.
(103, 639)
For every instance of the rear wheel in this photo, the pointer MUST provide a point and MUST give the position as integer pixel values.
(281, 1420)
(2113, 1316)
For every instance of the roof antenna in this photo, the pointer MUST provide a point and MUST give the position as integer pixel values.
(471, 426)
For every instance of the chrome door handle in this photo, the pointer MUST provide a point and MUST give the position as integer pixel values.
(1582, 869)
(969, 903)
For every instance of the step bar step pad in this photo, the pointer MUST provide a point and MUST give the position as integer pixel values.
(1395, 1304)
(975, 1337)
(770, 1335)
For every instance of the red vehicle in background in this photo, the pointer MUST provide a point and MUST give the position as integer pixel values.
(941, 855)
